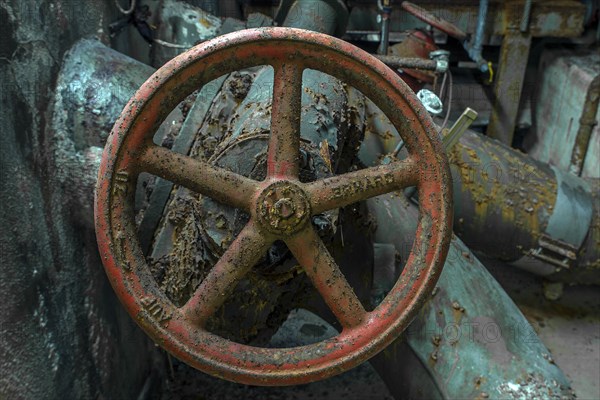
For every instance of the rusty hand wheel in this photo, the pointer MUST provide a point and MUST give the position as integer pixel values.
(280, 207)
(429, 18)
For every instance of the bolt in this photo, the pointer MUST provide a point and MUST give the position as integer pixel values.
(285, 208)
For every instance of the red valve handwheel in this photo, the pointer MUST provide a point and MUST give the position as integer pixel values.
(428, 17)
(280, 207)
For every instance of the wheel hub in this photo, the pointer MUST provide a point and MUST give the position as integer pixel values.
(283, 208)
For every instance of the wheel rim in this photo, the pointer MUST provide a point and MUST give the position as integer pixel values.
(129, 151)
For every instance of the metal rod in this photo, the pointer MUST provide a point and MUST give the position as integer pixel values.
(408, 63)
(476, 45)
(385, 35)
(526, 16)
(480, 31)
(385, 10)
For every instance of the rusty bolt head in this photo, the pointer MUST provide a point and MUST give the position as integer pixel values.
(283, 208)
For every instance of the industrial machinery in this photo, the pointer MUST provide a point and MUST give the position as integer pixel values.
(314, 155)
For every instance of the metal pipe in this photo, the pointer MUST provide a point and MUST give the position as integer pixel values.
(540, 215)
(512, 207)
(385, 35)
(475, 47)
(93, 85)
(526, 16)
(319, 16)
(480, 30)
(408, 63)
(385, 11)
(587, 122)
(459, 327)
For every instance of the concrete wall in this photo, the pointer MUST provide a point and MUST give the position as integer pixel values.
(63, 333)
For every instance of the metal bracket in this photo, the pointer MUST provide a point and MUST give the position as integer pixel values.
(554, 252)
(442, 58)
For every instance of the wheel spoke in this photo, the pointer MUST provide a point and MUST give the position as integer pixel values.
(284, 145)
(326, 276)
(224, 186)
(243, 253)
(342, 190)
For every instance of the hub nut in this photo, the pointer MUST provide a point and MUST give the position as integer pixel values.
(283, 208)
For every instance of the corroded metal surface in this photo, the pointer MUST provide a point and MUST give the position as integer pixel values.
(567, 129)
(535, 210)
(469, 340)
(434, 21)
(196, 230)
(514, 55)
(129, 151)
(496, 185)
(542, 219)
(283, 208)
(418, 44)
(325, 16)
(181, 144)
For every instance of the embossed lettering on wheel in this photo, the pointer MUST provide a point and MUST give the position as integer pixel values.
(280, 207)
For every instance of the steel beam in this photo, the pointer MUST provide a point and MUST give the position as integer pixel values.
(514, 55)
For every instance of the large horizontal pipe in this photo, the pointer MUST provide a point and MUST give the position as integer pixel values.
(470, 340)
(511, 207)
(514, 208)
(93, 86)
